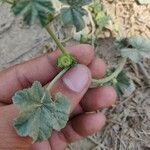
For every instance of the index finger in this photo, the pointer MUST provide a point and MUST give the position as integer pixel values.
(41, 69)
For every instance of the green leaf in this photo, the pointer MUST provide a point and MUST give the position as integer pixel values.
(99, 15)
(141, 44)
(85, 39)
(132, 54)
(73, 15)
(39, 114)
(122, 84)
(134, 48)
(121, 43)
(144, 1)
(40, 11)
(76, 3)
(101, 20)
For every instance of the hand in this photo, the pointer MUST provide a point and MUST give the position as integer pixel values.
(74, 84)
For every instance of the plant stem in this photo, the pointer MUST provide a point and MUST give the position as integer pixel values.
(56, 79)
(97, 83)
(57, 41)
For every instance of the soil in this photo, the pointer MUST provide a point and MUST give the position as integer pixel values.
(127, 17)
(128, 125)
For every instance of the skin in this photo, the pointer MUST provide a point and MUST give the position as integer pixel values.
(81, 123)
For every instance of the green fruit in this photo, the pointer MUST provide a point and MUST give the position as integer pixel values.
(65, 61)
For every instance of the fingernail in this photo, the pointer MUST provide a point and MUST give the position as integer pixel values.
(77, 78)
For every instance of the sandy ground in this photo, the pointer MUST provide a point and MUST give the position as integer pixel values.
(127, 17)
(128, 126)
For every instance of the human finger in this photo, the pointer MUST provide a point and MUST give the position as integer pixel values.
(42, 69)
(79, 127)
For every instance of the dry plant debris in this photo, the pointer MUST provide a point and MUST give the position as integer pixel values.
(127, 17)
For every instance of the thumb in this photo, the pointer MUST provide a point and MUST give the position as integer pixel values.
(74, 84)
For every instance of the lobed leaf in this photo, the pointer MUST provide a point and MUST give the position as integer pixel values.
(73, 15)
(39, 114)
(121, 43)
(99, 15)
(132, 54)
(142, 46)
(134, 48)
(76, 3)
(122, 84)
(40, 11)
(101, 20)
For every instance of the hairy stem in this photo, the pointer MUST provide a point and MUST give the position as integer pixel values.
(55, 38)
(97, 83)
(51, 84)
